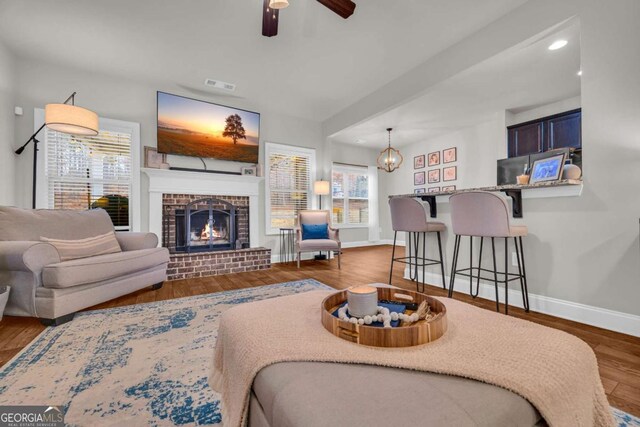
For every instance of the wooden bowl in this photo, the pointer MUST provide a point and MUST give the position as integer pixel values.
(420, 332)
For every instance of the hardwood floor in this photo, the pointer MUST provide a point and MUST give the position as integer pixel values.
(618, 355)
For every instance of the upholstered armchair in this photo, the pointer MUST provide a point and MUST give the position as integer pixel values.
(330, 244)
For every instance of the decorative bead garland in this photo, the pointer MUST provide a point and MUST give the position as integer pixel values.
(383, 316)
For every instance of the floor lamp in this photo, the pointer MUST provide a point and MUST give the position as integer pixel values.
(321, 188)
(65, 118)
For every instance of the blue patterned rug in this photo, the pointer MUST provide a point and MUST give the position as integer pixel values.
(145, 364)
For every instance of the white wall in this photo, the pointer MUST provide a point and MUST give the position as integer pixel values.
(478, 149)
(39, 84)
(7, 136)
(582, 250)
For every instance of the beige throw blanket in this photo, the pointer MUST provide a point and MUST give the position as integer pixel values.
(555, 371)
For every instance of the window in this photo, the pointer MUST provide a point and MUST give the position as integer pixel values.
(350, 195)
(290, 172)
(87, 172)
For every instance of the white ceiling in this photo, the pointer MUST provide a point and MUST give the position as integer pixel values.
(519, 79)
(316, 66)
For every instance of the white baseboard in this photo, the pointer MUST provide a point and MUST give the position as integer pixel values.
(363, 243)
(275, 258)
(595, 316)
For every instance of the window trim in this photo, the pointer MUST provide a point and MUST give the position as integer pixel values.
(106, 124)
(350, 169)
(270, 147)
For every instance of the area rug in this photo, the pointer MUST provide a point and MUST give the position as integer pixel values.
(145, 364)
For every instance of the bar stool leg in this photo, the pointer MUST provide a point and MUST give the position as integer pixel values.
(506, 275)
(495, 273)
(424, 262)
(454, 265)
(479, 266)
(409, 256)
(470, 265)
(523, 274)
(393, 255)
(444, 285)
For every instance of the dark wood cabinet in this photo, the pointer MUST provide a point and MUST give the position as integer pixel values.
(548, 133)
(525, 139)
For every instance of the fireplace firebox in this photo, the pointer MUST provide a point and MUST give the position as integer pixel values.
(205, 225)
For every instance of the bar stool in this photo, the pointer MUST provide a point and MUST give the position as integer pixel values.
(482, 214)
(410, 215)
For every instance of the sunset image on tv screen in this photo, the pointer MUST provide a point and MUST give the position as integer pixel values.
(189, 127)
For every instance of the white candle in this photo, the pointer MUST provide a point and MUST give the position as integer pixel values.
(363, 301)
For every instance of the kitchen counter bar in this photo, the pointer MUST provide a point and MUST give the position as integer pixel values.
(511, 190)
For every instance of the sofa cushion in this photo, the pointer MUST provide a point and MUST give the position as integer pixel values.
(84, 248)
(32, 224)
(318, 245)
(102, 267)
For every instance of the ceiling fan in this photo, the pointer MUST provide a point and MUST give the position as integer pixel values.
(271, 12)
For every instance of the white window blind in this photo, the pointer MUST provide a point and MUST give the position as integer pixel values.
(350, 195)
(290, 172)
(85, 172)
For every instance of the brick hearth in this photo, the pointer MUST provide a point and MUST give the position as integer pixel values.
(187, 266)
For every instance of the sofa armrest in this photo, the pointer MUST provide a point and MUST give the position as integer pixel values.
(28, 256)
(133, 241)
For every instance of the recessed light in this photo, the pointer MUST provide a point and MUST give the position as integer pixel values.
(580, 72)
(360, 141)
(558, 44)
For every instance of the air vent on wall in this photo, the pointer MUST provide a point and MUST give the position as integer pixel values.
(229, 87)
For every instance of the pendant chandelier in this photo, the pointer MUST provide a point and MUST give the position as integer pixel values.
(389, 159)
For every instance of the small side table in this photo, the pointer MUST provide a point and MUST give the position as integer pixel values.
(287, 243)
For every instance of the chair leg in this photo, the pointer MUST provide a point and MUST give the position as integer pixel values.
(495, 273)
(479, 271)
(454, 265)
(523, 273)
(339, 253)
(424, 255)
(298, 258)
(393, 255)
(444, 285)
(506, 275)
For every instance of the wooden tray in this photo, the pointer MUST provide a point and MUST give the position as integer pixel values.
(420, 332)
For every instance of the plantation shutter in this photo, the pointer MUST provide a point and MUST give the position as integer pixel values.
(86, 172)
(289, 176)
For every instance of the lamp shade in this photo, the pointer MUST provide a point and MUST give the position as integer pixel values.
(322, 188)
(71, 119)
(278, 4)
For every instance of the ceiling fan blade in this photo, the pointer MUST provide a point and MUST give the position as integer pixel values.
(270, 18)
(344, 8)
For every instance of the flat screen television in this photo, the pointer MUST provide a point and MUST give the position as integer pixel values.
(189, 127)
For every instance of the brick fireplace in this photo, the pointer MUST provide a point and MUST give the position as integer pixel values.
(207, 221)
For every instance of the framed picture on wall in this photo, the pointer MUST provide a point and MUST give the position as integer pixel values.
(450, 173)
(450, 155)
(418, 178)
(434, 189)
(434, 158)
(420, 190)
(418, 161)
(153, 159)
(449, 188)
(434, 176)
